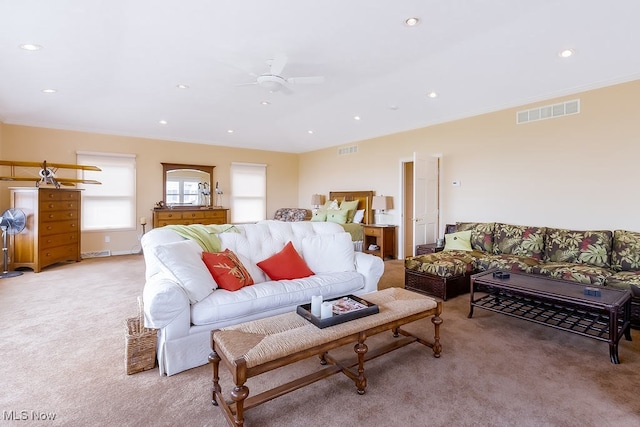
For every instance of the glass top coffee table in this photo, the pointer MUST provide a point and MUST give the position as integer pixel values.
(556, 303)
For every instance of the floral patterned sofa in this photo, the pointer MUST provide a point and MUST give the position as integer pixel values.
(292, 214)
(592, 257)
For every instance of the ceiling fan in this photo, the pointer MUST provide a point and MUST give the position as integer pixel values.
(273, 81)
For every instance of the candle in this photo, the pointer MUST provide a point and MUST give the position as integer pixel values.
(316, 302)
(326, 310)
(143, 220)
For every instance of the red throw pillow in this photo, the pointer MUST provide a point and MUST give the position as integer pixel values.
(227, 270)
(286, 264)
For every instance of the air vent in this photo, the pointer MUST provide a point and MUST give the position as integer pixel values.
(97, 254)
(344, 151)
(548, 112)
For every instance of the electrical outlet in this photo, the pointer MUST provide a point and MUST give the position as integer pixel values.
(107, 239)
(456, 183)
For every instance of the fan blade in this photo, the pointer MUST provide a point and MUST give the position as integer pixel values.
(246, 84)
(277, 64)
(305, 80)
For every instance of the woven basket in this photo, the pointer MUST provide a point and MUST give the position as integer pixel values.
(140, 344)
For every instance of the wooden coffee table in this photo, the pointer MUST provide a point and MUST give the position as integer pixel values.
(256, 347)
(556, 303)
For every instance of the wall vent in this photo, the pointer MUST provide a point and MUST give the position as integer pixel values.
(96, 254)
(344, 151)
(548, 112)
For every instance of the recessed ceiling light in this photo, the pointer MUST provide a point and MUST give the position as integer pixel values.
(265, 103)
(309, 131)
(49, 90)
(393, 107)
(30, 46)
(432, 95)
(181, 86)
(356, 117)
(567, 53)
(411, 22)
(163, 122)
(230, 131)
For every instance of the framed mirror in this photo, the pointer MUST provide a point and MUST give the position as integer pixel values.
(185, 185)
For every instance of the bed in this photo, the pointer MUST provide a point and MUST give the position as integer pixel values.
(365, 199)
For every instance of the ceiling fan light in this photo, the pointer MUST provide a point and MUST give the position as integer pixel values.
(412, 22)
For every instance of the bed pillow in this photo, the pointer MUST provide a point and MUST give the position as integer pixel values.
(460, 241)
(183, 261)
(331, 205)
(358, 217)
(286, 264)
(319, 216)
(227, 270)
(338, 216)
(350, 207)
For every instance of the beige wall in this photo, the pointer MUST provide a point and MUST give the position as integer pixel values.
(579, 171)
(37, 144)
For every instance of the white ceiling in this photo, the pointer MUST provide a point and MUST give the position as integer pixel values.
(116, 64)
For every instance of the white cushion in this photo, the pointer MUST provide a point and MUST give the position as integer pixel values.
(183, 260)
(329, 253)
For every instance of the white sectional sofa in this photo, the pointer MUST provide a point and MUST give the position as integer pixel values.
(184, 309)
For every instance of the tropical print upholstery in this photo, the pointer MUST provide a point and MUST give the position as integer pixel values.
(507, 262)
(625, 255)
(581, 247)
(445, 263)
(292, 214)
(624, 280)
(582, 273)
(518, 240)
(481, 234)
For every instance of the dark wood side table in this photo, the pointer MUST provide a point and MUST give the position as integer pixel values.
(383, 237)
(428, 248)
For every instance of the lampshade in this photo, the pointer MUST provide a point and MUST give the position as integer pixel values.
(317, 199)
(381, 203)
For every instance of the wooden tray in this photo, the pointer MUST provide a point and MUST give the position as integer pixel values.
(304, 310)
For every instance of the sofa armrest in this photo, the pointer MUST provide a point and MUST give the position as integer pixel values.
(164, 301)
(371, 267)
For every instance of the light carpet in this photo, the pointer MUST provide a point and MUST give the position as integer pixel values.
(62, 346)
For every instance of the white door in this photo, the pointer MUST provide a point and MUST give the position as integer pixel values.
(425, 199)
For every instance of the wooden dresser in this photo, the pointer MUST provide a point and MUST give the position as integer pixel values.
(162, 217)
(52, 232)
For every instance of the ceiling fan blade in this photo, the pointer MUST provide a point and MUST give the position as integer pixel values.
(277, 64)
(247, 84)
(306, 80)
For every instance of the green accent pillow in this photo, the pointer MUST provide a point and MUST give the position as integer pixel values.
(319, 216)
(350, 207)
(338, 216)
(460, 241)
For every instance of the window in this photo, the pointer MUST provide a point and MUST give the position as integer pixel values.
(248, 192)
(183, 189)
(111, 205)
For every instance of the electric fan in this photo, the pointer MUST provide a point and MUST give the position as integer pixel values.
(12, 222)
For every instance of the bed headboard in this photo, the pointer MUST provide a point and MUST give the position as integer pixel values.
(364, 198)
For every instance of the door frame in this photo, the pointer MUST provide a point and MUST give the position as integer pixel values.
(403, 209)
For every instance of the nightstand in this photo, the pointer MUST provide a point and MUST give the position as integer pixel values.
(382, 236)
(429, 248)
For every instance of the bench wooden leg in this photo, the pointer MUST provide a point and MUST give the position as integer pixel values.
(238, 395)
(214, 359)
(361, 349)
(437, 321)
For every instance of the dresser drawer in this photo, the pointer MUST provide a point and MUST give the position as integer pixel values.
(217, 215)
(49, 228)
(51, 194)
(193, 215)
(49, 216)
(54, 240)
(59, 253)
(169, 216)
(59, 205)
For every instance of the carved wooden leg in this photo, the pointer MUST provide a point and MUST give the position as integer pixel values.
(361, 349)
(238, 395)
(437, 347)
(214, 359)
(323, 360)
(395, 332)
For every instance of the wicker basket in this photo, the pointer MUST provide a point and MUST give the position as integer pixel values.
(441, 287)
(140, 344)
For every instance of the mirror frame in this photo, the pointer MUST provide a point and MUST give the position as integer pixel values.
(166, 167)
